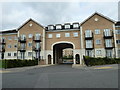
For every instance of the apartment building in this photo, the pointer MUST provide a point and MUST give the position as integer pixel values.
(97, 36)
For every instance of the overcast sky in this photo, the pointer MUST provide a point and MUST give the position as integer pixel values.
(15, 14)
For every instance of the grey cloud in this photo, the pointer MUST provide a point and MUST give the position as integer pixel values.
(15, 14)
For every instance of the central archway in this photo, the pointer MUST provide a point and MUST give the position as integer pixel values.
(58, 51)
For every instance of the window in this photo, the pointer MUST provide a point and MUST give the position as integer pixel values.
(67, 34)
(37, 45)
(107, 32)
(9, 38)
(9, 54)
(15, 54)
(98, 52)
(50, 27)
(49, 35)
(67, 26)
(117, 31)
(30, 36)
(89, 53)
(88, 33)
(76, 25)
(108, 43)
(29, 44)
(37, 36)
(22, 46)
(89, 44)
(118, 41)
(98, 41)
(75, 34)
(15, 38)
(97, 31)
(15, 45)
(9, 46)
(58, 27)
(29, 53)
(23, 37)
(57, 35)
(108, 53)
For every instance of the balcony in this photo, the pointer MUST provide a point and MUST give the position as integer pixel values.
(2, 41)
(21, 49)
(109, 47)
(22, 40)
(89, 48)
(2, 49)
(107, 36)
(37, 39)
(36, 49)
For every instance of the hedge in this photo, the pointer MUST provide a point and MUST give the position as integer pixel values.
(92, 61)
(11, 63)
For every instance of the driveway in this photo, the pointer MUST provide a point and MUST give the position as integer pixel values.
(61, 76)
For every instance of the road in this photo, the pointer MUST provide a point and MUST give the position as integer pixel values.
(61, 76)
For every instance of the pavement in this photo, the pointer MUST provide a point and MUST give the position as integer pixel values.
(61, 76)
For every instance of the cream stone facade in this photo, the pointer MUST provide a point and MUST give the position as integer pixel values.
(97, 36)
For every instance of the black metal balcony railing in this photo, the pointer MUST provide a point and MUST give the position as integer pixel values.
(22, 49)
(2, 49)
(36, 49)
(2, 41)
(37, 38)
(22, 40)
(89, 48)
(108, 35)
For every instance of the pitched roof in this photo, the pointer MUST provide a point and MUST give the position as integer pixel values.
(96, 13)
(27, 22)
(8, 31)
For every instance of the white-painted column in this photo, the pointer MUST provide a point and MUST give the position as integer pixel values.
(44, 44)
(114, 35)
(81, 40)
(74, 61)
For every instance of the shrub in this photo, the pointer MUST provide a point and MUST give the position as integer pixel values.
(91, 61)
(11, 63)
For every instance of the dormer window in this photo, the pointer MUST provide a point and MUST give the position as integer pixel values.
(58, 27)
(76, 25)
(67, 26)
(50, 27)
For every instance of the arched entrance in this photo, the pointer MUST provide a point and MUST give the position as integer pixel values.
(49, 59)
(77, 58)
(58, 52)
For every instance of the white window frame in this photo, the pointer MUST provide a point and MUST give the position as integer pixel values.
(109, 53)
(15, 38)
(29, 44)
(30, 35)
(97, 31)
(98, 41)
(67, 34)
(89, 44)
(75, 34)
(58, 27)
(67, 26)
(29, 54)
(108, 42)
(9, 38)
(57, 35)
(117, 31)
(88, 33)
(107, 32)
(76, 25)
(15, 55)
(118, 41)
(9, 54)
(50, 27)
(9, 46)
(49, 35)
(98, 52)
